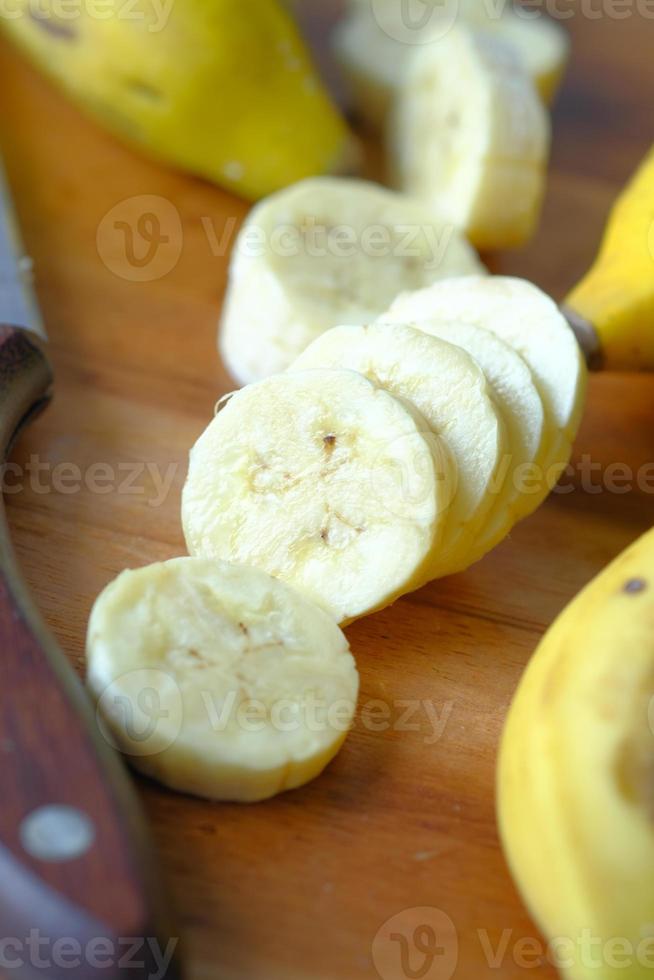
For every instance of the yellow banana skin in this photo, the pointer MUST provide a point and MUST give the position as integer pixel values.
(221, 88)
(617, 295)
(576, 777)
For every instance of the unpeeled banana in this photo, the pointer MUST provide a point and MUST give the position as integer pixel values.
(616, 297)
(219, 680)
(225, 90)
(575, 799)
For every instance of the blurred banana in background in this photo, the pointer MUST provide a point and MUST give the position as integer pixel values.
(615, 300)
(225, 90)
(576, 776)
(376, 41)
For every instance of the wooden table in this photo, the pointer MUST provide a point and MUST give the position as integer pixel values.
(297, 888)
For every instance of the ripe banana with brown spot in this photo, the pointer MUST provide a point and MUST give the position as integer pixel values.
(575, 776)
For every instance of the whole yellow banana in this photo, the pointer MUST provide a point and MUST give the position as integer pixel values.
(617, 296)
(576, 777)
(222, 88)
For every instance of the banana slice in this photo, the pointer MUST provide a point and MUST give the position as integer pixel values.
(530, 322)
(450, 392)
(471, 137)
(323, 252)
(218, 680)
(375, 41)
(322, 480)
(542, 45)
(521, 408)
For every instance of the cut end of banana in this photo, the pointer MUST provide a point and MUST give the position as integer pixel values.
(323, 252)
(218, 680)
(322, 480)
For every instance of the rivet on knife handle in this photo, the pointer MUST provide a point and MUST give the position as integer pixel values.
(78, 893)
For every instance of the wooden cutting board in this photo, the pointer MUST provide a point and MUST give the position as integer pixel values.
(298, 888)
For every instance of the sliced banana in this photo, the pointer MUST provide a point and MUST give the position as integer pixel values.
(530, 322)
(542, 44)
(376, 40)
(218, 680)
(450, 392)
(517, 398)
(323, 252)
(471, 137)
(324, 481)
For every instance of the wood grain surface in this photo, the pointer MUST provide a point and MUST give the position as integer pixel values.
(297, 888)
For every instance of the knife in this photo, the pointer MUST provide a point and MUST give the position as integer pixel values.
(79, 896)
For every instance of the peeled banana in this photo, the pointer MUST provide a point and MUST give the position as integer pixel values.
(514, 393)
(321, 253)
(530, 322)
(218, 680)
(324, 481)
(575, 800)
(225, 90)
(471, 137)
(451, 392)
(375, 42)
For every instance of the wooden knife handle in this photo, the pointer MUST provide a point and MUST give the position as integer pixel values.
(78, 895)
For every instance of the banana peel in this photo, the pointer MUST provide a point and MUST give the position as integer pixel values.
(616, 298)
(222, 89)
(575, 777)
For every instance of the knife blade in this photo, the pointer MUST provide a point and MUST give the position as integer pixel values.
(18, 304)
(76, 863)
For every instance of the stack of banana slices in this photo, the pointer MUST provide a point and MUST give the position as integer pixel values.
(360, 461)
(388, 454)
(395, 452)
